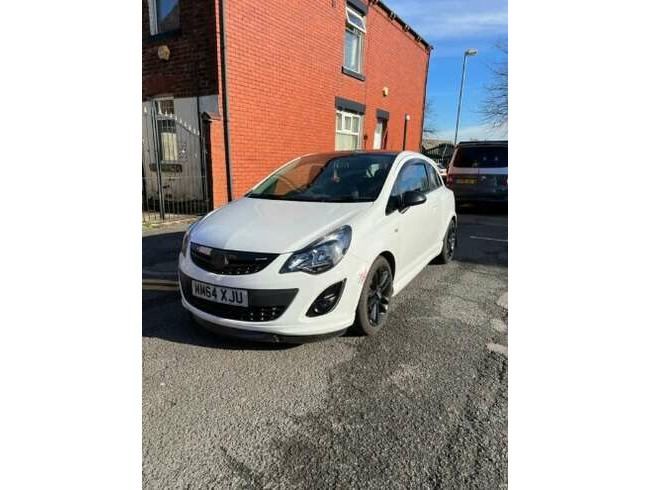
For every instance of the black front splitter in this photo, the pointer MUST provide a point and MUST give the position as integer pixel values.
(237, 333)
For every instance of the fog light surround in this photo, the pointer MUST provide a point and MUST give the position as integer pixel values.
(327, 300)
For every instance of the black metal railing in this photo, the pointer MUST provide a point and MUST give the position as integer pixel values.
(175, 174)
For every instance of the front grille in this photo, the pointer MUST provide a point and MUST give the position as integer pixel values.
(265, 305)
(229, 262)
(250, 314)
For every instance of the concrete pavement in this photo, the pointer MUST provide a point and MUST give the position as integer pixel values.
(423, 404)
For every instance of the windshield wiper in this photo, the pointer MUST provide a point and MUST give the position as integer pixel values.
(309, 198)
(349, 199)
(267, 196)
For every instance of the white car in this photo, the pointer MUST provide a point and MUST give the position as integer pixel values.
(320, 245)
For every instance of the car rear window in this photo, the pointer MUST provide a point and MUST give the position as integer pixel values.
(481, 156)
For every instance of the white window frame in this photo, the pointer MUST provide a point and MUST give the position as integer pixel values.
(153, 16)
(350, 14)
(350, 132)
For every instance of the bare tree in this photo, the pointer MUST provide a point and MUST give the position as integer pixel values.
(429, 116)
(494, 107)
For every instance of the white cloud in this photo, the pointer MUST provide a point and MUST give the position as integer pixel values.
(472, 25)
(448, 19)
(479, 132)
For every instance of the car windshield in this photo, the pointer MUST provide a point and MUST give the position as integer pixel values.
(481, 156)
(328, 178)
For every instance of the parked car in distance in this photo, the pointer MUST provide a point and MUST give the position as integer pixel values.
(320, 245)
(478, 171)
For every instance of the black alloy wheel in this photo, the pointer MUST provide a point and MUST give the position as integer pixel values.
(375, 297)
(449, 244)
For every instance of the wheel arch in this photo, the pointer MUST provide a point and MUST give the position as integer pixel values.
(391, 260)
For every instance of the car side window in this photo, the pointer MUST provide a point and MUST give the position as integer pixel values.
(412, 177)
(434, 178)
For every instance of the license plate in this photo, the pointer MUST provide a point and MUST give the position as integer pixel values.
(220, 294)
(465, 181)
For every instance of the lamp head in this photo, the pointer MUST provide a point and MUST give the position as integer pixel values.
(471, 52)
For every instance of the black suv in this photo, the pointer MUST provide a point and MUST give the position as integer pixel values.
(478, 171)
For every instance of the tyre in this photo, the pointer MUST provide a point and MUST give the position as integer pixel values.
(372, 309)
(449, 244)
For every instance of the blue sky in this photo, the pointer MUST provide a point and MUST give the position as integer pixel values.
(452, 26)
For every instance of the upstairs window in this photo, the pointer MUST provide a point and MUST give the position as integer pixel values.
(355, 30)
(164, 15)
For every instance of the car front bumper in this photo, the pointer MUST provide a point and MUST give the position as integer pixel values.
(298, 289)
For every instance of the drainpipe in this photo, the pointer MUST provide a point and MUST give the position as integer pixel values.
(424, 100)
(406, 125)
(224, 95)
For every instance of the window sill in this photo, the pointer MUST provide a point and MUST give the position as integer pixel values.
(353, 74)
(161, 36)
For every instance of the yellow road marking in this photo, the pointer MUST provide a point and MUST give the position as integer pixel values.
(159, 285)
(159, 281)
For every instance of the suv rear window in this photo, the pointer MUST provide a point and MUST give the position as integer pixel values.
(481, 157)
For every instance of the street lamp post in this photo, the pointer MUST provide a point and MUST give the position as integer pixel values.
(469, 52)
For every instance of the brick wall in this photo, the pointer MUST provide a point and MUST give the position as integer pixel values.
(284, 71)
(192, 67)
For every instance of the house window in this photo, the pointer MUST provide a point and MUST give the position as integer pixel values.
(166, 125)
(164, 16)
(379, 141)
(348, 131)
(355, 29)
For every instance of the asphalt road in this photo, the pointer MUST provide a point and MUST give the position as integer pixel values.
(422, 405)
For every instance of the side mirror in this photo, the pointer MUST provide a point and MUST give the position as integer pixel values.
(412, 198)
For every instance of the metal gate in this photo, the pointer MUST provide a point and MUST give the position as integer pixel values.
(440, 153)
(175, 174)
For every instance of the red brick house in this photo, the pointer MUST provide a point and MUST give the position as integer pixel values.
(265, 81)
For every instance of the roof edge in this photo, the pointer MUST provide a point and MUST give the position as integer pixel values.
(391, 13)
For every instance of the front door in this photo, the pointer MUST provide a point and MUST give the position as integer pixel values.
(435, 195)
(415, 224)
(379, 135)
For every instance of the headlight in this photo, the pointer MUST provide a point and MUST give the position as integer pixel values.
(186, 239)
(321, 255)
